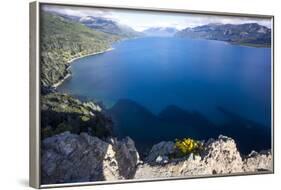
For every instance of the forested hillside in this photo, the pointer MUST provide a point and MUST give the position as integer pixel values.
(62, 40)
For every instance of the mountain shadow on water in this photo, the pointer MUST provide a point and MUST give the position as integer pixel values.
(249, 135)
(146, 128)
(189, 122)
(134, 120)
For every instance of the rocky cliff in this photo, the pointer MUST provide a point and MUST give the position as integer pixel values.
(70, 157)
(80, 158)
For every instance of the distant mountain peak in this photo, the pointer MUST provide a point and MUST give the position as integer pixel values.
(160, 31)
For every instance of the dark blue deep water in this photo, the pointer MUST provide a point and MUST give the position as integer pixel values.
(165, 88)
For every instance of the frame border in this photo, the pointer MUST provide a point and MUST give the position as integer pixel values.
(34, 96)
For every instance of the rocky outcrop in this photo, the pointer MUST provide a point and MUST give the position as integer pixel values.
(222, 156)
(75, 158)
(79, 158)
(62, 112)
(255, 162)
(218, 157)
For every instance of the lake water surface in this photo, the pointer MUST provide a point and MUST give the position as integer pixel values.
(194, 75)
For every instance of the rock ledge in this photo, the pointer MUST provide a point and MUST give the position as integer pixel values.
(70, 157)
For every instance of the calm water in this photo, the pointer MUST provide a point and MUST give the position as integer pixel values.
(195, 75)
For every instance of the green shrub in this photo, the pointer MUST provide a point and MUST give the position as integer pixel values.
(84, 118)
(186, 146)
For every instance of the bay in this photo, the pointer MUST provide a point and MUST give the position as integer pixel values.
(215, 81)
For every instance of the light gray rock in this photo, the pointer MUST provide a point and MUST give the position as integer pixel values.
(93, 106)
(162, 149)
(162, 160)
(75, 158)
(127, 157)
(78, 158)
(258, 162)
(222, 156)
(219, 156)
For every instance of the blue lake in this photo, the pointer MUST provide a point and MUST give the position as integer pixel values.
(208, 77)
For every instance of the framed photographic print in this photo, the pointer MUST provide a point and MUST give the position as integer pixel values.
(130, 94)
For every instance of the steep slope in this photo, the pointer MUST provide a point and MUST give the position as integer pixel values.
(61, 112)
(248, 34)
(102, 24)
(62, 40)
(108, 26)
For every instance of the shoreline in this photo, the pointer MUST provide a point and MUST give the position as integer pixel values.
(96, 53)
(61, 81)
(73, 59)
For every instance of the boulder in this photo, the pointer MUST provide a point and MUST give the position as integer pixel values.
(68, 158)
(222, 156)
(162, 160)
(127, 157)
(160, 150)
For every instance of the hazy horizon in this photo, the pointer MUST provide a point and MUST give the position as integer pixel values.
(141, 20)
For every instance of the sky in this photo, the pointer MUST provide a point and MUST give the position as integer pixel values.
(141, 20)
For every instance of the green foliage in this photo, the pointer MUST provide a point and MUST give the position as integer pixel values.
(85, 118)
(61, 112)
(186, 146)
(62, 127)
(62, 40)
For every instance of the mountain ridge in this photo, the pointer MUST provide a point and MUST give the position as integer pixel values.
(251, 34)
(102, 24)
